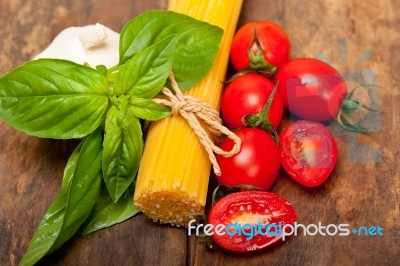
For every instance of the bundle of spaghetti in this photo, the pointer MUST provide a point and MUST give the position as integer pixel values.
(175, 168)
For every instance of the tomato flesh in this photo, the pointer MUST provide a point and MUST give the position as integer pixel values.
(257, 163)
(308, 152)
(250, 208)
(311, 89)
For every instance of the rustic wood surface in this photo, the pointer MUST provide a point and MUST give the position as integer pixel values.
(358, 193)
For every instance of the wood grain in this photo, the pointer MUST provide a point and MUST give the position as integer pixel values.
(358, 193)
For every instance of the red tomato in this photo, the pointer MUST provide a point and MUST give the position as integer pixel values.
(274, 43)
(308, 152)
(247, 94)
(253, 208)
(256, 164)
(311, 89)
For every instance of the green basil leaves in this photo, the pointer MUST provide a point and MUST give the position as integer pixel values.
(196, 47)
(107, 213)
(73, 205)
(123, 147)
(53, 98)
(145, 74)
(147, 109)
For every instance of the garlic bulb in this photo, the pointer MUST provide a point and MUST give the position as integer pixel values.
(92, 44)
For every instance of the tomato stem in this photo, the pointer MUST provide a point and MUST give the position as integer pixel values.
(238, 74)
(351, 125)
(350, 105)
(205, 240)
(257, 60)
(222, 190)
(202, 215)
(261, 120)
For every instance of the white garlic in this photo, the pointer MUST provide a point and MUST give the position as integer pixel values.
(92, 44)
(92, 35)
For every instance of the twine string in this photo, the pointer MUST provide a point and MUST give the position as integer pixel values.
(193, 110)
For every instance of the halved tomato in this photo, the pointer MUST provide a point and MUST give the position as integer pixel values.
(259, 218)
(308, 152)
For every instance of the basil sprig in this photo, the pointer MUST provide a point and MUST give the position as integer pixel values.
(53, 98)
(80, 188)
(196, 47)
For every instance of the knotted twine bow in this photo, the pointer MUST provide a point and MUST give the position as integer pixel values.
(193, 109)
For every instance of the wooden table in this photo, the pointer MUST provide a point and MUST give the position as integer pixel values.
(363, 190)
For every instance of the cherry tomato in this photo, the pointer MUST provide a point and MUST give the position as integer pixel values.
(257, 164)
(252, 208)
(275, 46)
(311, 89)
(248, 94)
(308, 152)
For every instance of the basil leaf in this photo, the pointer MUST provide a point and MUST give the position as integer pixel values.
(107, 213)
(74, 203)
(70, 167)
(196, 47)
(144, 75)
(148, 109)
(123, 145)
(54, 98)
(102, 69)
